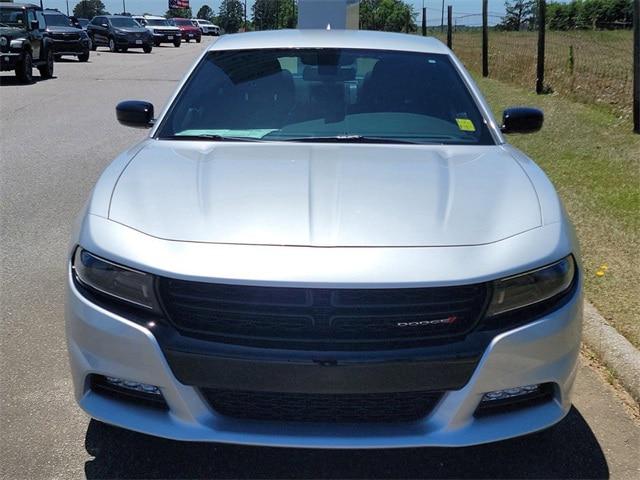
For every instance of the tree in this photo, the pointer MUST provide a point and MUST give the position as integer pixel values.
(287, 14)
(205, 13)
(231, 16)
(520, 15)
(178, 13)
(264, 14)
(387, 15)
(89, 9)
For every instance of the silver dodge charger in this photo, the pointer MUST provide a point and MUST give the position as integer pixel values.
(325, 241)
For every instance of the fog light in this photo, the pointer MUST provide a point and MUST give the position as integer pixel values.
(136, 386)
(510, 393)
(128, 390)
(515, 398)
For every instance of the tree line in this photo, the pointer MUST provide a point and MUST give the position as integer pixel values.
(577, 14)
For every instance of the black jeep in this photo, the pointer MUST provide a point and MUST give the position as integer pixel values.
(23, 43)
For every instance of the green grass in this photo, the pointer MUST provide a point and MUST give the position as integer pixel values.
(593, 160)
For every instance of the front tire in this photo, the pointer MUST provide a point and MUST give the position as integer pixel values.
(147, 49)
(198, 40)
(177, 43)
(84, 57)
(24, 69)
(46, 70)
(112, 46)
(92, 44)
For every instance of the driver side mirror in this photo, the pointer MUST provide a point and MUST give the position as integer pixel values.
(522, 120)
(35, 25)
(135, 113)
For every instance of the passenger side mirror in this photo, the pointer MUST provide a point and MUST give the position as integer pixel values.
(35, 25)
(105, 25)
(522, 120)
(135, 113)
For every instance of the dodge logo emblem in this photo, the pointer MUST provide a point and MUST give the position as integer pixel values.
(421, 323)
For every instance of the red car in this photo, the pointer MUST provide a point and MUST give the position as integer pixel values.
(189, 32)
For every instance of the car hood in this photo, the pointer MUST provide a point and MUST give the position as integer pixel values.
(132, 29)
(60, 29)
(12, 32)
(325, 195)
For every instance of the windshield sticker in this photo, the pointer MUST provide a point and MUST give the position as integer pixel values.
(465, 125)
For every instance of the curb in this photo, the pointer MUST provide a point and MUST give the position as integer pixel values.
(615, 351)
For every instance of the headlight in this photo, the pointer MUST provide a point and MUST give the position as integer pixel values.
(17, 43)
(117, 281)
(3, 41)
(532, 287)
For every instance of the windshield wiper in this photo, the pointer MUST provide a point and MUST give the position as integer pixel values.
(347, 139)
(210, 137)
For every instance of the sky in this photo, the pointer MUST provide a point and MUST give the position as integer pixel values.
(159, 7)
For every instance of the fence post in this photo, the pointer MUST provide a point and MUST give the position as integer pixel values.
(636, 66)
(449, 26)
(542, 23)
(485, 38)
(424, 21)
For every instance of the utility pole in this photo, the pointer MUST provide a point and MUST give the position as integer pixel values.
(636, 66)
(542, 23)
(245, 15)
(124, 7)
(450, 26)
(442, 18)
(67, 8)
(424, 20)
(485, 38)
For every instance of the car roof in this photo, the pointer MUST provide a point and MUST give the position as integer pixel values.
(330, 39)
(19, 5)
(115, 16)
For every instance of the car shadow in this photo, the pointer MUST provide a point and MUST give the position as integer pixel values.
(568, 450)
(12, 81)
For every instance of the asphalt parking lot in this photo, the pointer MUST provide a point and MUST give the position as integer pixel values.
(56, 137)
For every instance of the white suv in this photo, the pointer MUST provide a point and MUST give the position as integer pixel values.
(206, 27)
(162, 30)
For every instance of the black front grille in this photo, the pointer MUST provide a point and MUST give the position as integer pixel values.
(67, 37)
(339, 408)
(324, 319)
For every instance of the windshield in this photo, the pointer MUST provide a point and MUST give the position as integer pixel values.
(183, 22)
(327, 94)
(83, 22)
(57, 21)
(124, 22)
(157, 23)
(12, 17)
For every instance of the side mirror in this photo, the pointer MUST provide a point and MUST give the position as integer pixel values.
(35, 25)
(522, 120)
(135, 113)
(105, 25)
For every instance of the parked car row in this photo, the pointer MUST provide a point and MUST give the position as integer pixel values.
(32, 37)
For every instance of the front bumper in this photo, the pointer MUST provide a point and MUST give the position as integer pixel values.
(133, 42)
(76, 47)
(101, 342)
(166, 37)
(9, 61)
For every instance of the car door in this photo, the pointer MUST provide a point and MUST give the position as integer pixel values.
(36, 34)
(101, 32)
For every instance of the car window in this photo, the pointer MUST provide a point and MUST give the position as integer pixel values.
(124, 22)
(57, 20)
(31, 15)
(12, 17)
(287, 94)
(157, 23)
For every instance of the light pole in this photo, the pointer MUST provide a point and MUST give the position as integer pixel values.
(442, 18)
(124, 7)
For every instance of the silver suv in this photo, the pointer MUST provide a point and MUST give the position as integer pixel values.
(324, 243)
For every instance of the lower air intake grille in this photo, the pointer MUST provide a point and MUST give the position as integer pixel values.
(323, 408)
